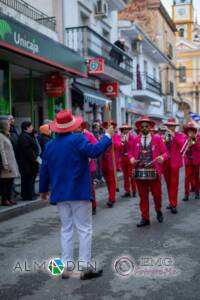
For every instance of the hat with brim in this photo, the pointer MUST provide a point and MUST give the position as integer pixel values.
(105, 124)
(171, 122)
(65, 122)
(144, 119)
(190, 126)
(125, 126)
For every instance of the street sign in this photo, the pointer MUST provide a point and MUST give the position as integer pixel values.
(110, 89)
(95, 66)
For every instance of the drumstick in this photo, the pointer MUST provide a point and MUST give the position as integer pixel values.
(151, 162)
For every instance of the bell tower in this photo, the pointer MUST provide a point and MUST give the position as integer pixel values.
(182, 13)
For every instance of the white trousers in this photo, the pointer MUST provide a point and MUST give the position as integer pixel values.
(78, 214)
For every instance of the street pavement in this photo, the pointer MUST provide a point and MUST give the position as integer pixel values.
(157, 262)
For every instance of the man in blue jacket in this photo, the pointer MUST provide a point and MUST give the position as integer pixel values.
(65, 173)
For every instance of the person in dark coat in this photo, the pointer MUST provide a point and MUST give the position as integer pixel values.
(28, 161)
(116, 54)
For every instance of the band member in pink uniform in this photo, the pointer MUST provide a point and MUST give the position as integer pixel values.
(109, 167)
(126, 140)
(174, 142)
(91, 138)
(191, 154)
(147, 154)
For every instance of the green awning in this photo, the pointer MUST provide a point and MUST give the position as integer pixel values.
(17, 37)
(91, 95)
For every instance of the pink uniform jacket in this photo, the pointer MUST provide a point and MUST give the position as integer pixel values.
(130, 141)
(174, 154)
(158, 148)
(117, 143)
(195, 152)
(106, 158)
(91, 138)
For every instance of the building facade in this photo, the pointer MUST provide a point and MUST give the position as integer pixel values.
(33, 59)
(154, 20)
(187, 55)
(91, 30)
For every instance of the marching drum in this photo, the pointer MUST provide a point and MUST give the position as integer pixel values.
(145, 174)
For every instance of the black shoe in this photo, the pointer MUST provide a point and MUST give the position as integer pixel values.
(174, 210)
(65, 274)
(168, 206)
(117, 190)
(110, 204)
(127, 194)
(143, 223)
(90, 273)
(94, 211)
(134, 195)
(160, 216)
(197, 196)
(192, 190)
(186, 198)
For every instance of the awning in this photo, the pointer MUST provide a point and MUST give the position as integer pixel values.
(25, 41)
(91, 95)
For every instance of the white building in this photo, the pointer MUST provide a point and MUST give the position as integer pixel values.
(91, 30)
(144, 95)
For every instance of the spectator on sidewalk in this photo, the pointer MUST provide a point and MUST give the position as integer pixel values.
(9, 168)
(44, 136)
(28, 161)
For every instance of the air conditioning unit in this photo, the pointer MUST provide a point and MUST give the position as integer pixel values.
(101, 9)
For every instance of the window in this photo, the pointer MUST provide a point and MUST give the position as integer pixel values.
(181, 32)
(145, 67)
(154, 73)
(182, 74)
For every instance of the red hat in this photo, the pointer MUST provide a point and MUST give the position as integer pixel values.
(65, 122)
(105, 124)
(190, 126)
(125, 126)
(142, 120)
(171, 121)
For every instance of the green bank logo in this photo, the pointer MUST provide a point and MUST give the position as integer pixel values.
(4, 29)
(56, 266)
(20, 39)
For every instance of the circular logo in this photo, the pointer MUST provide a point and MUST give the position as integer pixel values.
(93, 66)
(124, 266)
(110, 88)
(56, 266)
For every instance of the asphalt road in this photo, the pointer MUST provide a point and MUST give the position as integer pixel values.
(161, 261)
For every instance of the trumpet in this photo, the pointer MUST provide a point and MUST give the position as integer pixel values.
(167, 135)
(124, 138)
(188, 143)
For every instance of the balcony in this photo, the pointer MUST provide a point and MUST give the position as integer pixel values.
(147, 88)
(31, 12)
(89, 43)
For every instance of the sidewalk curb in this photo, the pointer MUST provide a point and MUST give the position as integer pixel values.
(29, 206)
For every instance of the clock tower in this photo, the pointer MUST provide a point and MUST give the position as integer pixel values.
(182, 13)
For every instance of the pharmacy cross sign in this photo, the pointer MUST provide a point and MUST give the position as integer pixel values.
(95, 66)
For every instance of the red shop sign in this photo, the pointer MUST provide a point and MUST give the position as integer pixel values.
(110, 89)
(54, 85)
(95, 66)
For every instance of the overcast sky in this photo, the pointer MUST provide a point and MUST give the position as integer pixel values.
(168, 6)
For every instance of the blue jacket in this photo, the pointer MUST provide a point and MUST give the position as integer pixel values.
(65, 167)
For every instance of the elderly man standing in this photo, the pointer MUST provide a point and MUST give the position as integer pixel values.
(65, 168)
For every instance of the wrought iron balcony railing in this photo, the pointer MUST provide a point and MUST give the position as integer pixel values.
(145, 82)
(89, 43)
(31, 12)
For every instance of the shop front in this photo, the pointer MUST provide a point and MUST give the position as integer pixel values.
(34, 71)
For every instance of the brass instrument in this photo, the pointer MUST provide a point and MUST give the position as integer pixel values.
(167, 134)
(124, 138)
(188, 143)
(193, 140)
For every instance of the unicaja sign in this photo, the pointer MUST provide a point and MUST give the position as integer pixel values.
(30, 45)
